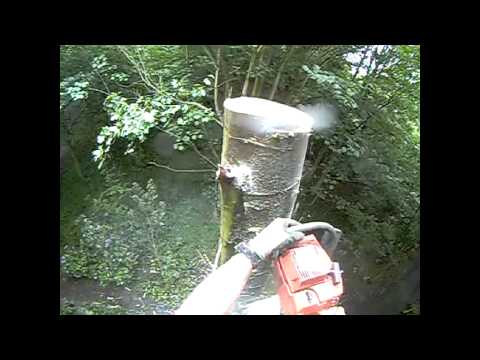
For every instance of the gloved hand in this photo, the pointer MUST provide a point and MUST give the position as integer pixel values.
(275, 238)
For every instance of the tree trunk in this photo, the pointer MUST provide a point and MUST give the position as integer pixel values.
(279, 73)
(264, 146)
(250, 68)
(259, 79)
(76, 164)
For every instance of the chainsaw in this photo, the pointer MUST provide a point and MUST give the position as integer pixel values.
(309, 283)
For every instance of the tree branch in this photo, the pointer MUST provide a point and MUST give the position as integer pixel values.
(364, 56)
(178, 170)
(227, 81)
(212, 150)
(319, 159)
(325, 59)
(142, 73)
(98, 90)
(202, 156)
(215, 89)
(200, 106)
(101, 78)
(363, 124)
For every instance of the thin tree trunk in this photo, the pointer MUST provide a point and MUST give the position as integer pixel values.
(209, 53)
(321, 155)
(68, 126)
(322, 176)
(76, 164)
(279, 73)
(215, 90)
(249, 71)
(259, 79)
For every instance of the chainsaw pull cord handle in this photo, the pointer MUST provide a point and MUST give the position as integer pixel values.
(335, 234)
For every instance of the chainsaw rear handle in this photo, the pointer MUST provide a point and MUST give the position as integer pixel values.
(334, 233)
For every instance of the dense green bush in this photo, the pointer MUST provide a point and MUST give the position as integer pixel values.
(123, 224)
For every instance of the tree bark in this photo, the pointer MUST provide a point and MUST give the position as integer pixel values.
(259, 178)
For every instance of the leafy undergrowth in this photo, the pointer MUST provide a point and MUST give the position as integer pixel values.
(127, 236)
(106, 307)
(412, 309)
(188, 245)
(74, 193)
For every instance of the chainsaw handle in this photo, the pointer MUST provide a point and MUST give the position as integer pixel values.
(334, 237)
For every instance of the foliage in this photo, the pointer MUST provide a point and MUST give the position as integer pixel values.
(372, 183)
(122, 224)
(180, 266)
(171, 103)
(105, 307)
(363, 174)
(153, 252)
(134, 121)
(412, 309)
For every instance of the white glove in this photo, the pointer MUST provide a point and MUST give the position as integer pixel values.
(274, 238)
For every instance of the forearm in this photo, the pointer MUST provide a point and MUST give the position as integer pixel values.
(216, 294)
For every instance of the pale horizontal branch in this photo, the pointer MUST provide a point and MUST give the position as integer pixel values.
(180, 170)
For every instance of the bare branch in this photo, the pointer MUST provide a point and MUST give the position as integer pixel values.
(178, 170)
(101, 78)
(214, 153)
(202, 156)
(227, 81)
(141, 72)
(98, 90)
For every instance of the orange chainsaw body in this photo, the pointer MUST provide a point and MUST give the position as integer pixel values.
(308, 281)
